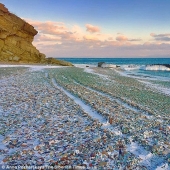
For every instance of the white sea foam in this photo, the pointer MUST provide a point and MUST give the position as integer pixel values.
(130, 67)
(157, 68)
(33, 67)
(145, 67)
(141, 76)
(90, 70)
(157, 87)
(84, 65)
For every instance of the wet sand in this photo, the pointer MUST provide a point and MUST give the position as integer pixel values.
(92, 118)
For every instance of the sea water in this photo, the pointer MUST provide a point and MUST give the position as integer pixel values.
(119, 61)
(135, 66)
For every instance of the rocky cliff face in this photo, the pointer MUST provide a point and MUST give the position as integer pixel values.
(16, 38)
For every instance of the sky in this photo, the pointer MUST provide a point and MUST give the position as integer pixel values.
(97, 28)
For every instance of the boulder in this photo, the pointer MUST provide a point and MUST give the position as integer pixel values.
(16, 58)
(100, 64)
(104, 65)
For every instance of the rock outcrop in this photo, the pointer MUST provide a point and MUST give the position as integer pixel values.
(104, 65)
(16, 37)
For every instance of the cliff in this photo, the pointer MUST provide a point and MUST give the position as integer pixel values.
(16, 37)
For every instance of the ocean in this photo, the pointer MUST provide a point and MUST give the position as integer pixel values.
(118, 61)
(138, 66)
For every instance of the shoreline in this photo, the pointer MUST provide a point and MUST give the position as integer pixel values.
(32, 66)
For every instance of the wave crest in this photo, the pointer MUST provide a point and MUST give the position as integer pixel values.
(157, 67)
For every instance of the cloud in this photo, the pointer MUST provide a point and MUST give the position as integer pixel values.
(90, 37)
(121, 38)
(92, 29)
(106, 49)
(110, 38)
(160, 37)
(49, 27)
(54, 31)
(43, 37)
(138, 39)
(57, 39)
(163, 39)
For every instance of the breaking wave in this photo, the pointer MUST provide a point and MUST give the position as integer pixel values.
(165, 67)
(156, 67)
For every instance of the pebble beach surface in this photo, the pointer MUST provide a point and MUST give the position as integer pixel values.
(82, 118)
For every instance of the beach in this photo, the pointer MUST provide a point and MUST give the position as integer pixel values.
(83, 117)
